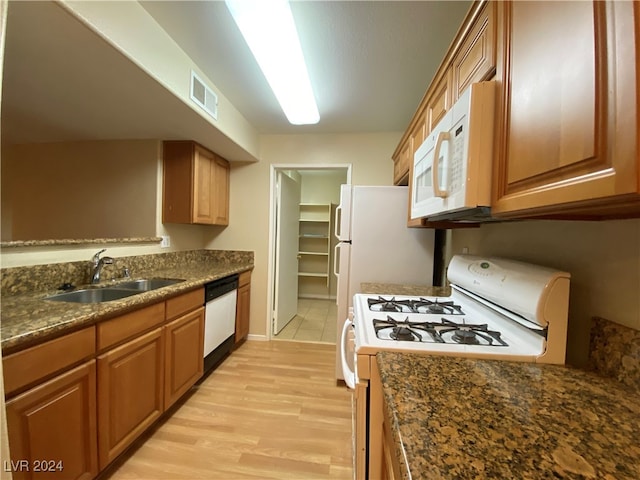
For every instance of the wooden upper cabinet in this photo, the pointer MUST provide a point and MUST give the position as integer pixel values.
(475, 61)
(416, 137)
(568, 133)
(220, 195)
(401, 163)
(438, 104)
(401, 160)
(195, 185)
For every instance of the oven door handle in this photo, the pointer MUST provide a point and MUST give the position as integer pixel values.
(349, 376)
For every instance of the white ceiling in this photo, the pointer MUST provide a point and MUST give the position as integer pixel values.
(369, 62)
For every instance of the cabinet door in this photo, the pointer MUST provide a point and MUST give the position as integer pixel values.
(56, 422)
(203, 192)
(184, 346)
(195, 185)
(130, 392)
(476, 59)
(401, 164)
(418, 134)
(243, 306)
(437, 106)
(569, 112)
(220, 197)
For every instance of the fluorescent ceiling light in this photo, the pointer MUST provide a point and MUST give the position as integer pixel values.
(269, 30)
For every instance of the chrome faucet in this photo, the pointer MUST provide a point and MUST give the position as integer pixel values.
(98, 263)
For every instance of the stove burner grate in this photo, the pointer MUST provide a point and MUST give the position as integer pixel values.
(422, 305)
(468, 334)
(382, 304)
(406, 330)
(445, 331)
(427, 306)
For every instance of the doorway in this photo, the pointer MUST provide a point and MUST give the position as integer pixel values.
(302, 279)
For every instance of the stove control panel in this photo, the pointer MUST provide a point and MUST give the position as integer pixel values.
(486, 269)
(519, 287)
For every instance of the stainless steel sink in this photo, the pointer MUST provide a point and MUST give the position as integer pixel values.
(93, 295)
(116, 292)
(147, 284)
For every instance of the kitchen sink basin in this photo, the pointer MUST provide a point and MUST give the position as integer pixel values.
(147, 284)
(93, 295)
(116, 292)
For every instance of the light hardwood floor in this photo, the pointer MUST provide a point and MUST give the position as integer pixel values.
(271, 410)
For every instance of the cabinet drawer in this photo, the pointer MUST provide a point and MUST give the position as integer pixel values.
(119, 329)
(177, 306)
(36, 363)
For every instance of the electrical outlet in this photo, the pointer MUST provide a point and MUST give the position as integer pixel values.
(465, 250)
(166, 241)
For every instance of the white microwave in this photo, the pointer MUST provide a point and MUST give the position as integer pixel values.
(452, 168)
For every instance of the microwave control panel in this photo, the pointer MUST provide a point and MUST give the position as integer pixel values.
(457, 173)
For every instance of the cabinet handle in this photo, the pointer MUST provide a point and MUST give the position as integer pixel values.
(435, 165)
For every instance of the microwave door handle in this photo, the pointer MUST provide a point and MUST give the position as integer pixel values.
(437, 191)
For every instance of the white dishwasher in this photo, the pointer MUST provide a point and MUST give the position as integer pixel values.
(219, 320)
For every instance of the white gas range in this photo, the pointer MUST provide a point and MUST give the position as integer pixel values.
(498, 309)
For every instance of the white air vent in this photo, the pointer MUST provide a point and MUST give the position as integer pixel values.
(203, 95)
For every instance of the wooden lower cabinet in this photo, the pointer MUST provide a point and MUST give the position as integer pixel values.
(184, 346)
(130, 392)
(243, 307)
(81, 416)
(52, 428)
(390, 466)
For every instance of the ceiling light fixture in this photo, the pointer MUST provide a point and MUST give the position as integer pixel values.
(268, 28)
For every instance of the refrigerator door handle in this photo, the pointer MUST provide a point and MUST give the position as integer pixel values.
(335, 259)
(336, 221)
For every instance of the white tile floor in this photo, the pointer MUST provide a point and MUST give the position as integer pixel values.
(315, 322)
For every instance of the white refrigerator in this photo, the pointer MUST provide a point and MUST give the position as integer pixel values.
(375, 245)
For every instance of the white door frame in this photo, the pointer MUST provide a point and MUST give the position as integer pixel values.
(273, 169)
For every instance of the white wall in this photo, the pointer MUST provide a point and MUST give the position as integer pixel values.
(370, 155)
(602, 257)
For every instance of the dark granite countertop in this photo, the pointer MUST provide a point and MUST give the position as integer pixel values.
(482, 419)
(411, 290)
(28, 319)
